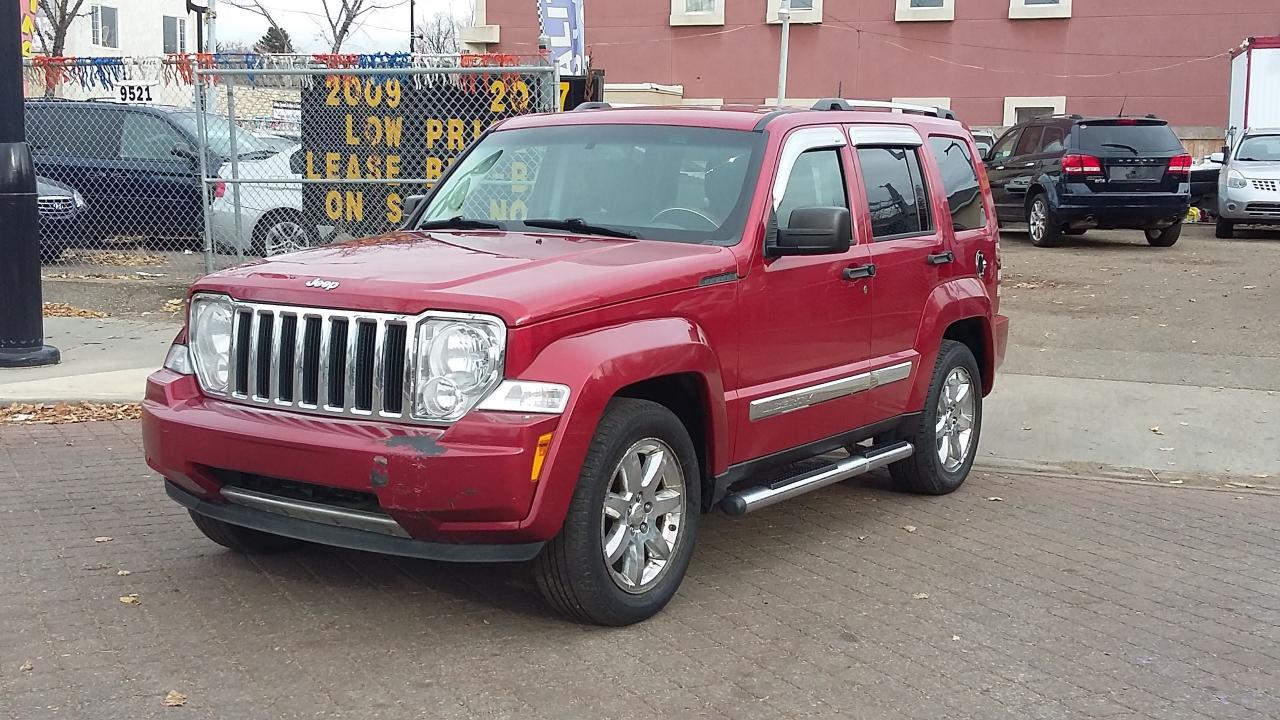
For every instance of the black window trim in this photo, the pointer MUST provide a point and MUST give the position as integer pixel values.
(928, 232)
(1016, 131)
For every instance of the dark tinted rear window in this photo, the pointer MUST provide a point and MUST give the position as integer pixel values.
(1106, 136)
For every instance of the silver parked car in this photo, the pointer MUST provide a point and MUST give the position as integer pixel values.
(1249, 183)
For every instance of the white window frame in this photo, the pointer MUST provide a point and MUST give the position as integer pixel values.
(180, 29)
(95, 20)
(906, 13)
(1011, 105)
(942, 102)
(1021, 10)
(681, 18)
(802, 17)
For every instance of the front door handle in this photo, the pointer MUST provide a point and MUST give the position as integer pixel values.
(941, 258)
(1030, 164)
(859, 271)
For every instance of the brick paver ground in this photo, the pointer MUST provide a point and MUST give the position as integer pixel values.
(1068, 599)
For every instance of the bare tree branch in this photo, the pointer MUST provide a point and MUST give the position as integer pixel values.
(256, 7)
(344, 16)
(53, 19)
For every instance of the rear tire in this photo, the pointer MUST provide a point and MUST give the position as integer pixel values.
(926, 472)
(1041, 226)
(1225, 229)
(574, 570)
(242, 539)
(1164, 237)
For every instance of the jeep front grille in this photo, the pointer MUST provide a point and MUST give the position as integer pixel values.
(330, 362)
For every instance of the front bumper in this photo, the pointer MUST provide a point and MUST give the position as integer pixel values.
(1122, 210)
(1249, 205)
(469, 483)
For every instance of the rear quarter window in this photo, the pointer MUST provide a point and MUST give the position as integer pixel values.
(1139, 138)
(960, 179)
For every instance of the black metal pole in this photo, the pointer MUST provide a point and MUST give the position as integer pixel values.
(21, 321)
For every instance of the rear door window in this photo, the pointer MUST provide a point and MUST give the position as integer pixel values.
(960, 179)
(147, 137)
(895, 192)
(1135, 136)
(1053, 140)
(71, 131)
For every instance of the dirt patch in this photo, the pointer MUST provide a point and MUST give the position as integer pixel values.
(112, 258)
(58, 309)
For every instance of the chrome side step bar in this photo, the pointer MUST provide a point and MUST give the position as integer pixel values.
(315, 512)
(754, 498)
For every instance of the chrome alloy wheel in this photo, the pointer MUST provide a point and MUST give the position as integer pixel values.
(1039, 220)
(957, 409)
(285, 236)
(643, 513)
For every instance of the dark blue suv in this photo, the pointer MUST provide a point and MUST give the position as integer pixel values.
(1066, 174)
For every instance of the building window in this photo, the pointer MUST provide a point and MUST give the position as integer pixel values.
(895, 191)
(925, 10)
(933, 102)
(106, 26)
(802, 11)
(1034, 9)
(697, 12)
(175, 35)
(1022, 109)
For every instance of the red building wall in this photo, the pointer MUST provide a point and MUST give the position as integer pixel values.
(1155, 56)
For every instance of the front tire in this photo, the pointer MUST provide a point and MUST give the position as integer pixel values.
(1164, 237)
(242, 539)
(1224, 229)
(946, 439)
(1041, 226)
(629, 533)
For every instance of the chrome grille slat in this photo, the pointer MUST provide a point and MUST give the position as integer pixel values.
(280, 354)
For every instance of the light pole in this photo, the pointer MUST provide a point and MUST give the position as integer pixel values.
(784, 14)
(21, 314)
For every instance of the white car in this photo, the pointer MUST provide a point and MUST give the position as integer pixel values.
(272, 221)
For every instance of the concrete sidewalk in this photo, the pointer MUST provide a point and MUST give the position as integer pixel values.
(103, 360)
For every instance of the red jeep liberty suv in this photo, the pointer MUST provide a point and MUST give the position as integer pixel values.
(600, 325)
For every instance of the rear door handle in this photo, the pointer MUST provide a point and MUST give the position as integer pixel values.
(859, 271)
(941, 258)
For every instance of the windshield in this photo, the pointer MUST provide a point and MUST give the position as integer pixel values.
(219, 129)
(1137, 139)
(658, 182)
(1259, 147)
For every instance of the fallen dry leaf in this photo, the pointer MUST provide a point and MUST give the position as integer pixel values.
(114, 258)
(175, 306)
(122, 573)
(130, 599)
(1157, 430)
(175, 699)
(995, 498)
(909, 528)
(920, 596)
(1166, 449)
(1262, 476)
(955, 637)
(57, 413)
(26, 666)
(57, 309)
(862, 537)
(1175, 482)
(102, 539)
(1250, 287)
(1240, 485)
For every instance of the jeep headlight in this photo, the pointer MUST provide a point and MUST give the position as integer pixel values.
(459, 362)
(1236, 180)
(210, 341)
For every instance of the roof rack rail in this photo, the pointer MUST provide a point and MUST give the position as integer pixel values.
(592, 106)
(843, 104)
(1069, 116)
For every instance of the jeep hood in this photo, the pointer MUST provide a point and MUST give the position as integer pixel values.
(520, 277)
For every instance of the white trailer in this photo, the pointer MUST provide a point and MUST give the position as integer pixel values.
(1255, 86)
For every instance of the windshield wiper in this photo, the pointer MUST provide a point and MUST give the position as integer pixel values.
(1130, 148)
(578, 225)
(1249, 159)
(458, 223)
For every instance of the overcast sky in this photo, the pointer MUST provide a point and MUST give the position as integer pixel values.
(378, 31)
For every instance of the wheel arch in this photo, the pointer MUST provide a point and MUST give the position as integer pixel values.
(687, 396)
(960, 310)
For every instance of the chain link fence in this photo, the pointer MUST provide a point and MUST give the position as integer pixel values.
(181, 165)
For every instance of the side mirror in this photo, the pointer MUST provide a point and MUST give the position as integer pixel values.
(1218, 157)
(186, 152)
(813, 231)
(411, 204)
